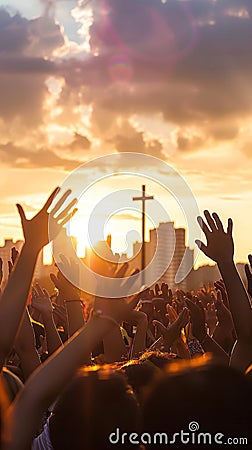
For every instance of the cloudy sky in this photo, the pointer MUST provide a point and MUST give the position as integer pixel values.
(171, 79)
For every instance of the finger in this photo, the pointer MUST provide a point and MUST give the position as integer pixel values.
(172, 312)
(164, 288)
(134, 272)
(250, 260)
(66, 210)
(160, 327)
(60, 202)
(218, 221)
(230, 227)
(50, 199)
(122, 270)
(64, 261)
(54, 280)
(201, 246)
(134, 300)
(68, 217)
(203, 225)
(14, 254)
(39, 290)
(21, 213)
(10, 266)
(46, 293)
(184, 317)
(219, 296)
(34, 293)
(170, 296)
(157, 289)
(210, 220)
(190, 304)
(247, 271)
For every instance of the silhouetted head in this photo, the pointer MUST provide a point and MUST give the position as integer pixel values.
(218, 398)
(90, 409)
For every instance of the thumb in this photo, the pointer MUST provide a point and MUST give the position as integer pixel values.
(21, 213)
(160, 327)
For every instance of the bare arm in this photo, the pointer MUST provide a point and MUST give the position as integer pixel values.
(42, 303)
(220, 248)
(14, 297)
(26, 348)
(47, 382)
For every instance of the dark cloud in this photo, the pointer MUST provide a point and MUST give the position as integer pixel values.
(189, 143)
(80, 142)
(190, 61)
(15, 156)
(25, 50)
(128, 139)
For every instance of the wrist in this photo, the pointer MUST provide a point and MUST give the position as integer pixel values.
(47, 316)
(30, 248)
(224, 263)
(203, 339)
(73, 302)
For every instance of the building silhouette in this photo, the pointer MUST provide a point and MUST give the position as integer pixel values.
(172, 255)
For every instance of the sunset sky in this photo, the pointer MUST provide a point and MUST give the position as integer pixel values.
(172, 79)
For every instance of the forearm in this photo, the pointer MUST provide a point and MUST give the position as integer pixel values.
(25, 346)
(240, 305)
(52, 336)
(48, 381)
(139, 342)
(182, 349)
(241, 357)
(210, 346)
(75, 316)
(14, 298)
(114, 346)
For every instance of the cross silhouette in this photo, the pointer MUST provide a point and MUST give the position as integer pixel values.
(144, 198)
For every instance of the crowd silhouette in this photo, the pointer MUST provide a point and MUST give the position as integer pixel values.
(154, 369)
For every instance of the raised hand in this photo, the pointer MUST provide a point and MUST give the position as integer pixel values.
(178, 302)
(164, 292)
(197, 317)
(211, 318)
(35, 230)
(173, 332)
(220, 245)
(204, 294)
(67, 291)
(41, 300)
(42, 303)
(224, 330)
(249, 274)
(220, 285)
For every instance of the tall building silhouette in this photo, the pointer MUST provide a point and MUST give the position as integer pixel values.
(171, 247)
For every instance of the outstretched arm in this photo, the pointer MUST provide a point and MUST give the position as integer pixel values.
(48, 381)
(220, 248)
(41, 302)
(14, 297)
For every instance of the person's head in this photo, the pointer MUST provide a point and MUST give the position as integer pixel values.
(142, 372)
(218, 398)
(91, 407)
